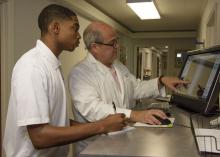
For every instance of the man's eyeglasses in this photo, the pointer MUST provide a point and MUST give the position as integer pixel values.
(114, 44)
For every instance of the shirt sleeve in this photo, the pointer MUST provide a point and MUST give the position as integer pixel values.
(29, 88)
(141, 89)
(147, 89)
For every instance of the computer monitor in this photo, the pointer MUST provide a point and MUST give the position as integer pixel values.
(201, 68)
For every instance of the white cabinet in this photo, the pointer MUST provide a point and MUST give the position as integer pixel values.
(149, 63)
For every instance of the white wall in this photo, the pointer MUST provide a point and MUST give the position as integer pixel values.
(212, 5)
(127, 42)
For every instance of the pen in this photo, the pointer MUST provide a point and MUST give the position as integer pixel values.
(114, 107)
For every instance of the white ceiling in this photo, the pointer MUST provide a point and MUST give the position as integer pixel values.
(176, 15)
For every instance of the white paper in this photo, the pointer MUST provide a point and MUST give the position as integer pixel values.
(208, 144)
(125, 129)
(158, 126)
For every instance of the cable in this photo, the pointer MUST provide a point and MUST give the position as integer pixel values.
(181, 125)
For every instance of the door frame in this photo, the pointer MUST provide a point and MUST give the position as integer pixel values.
(7, 56)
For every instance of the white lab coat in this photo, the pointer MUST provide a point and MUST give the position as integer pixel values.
(93, 89)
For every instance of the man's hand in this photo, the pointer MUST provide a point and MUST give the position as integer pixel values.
(147, 116)
(172, 82)
(114, 122)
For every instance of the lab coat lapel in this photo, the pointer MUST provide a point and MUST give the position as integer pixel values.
(121, 82)
(116, 95)
(121, 74)
(113, 91)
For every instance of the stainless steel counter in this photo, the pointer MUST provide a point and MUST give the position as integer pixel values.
(149, 142)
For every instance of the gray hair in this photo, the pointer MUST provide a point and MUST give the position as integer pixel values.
(91, 35)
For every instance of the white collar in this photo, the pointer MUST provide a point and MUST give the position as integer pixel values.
(101, 67)
(48, 54)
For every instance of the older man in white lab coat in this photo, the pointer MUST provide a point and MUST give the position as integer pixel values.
(99, 82)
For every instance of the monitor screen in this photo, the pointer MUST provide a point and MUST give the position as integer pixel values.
(201, 70)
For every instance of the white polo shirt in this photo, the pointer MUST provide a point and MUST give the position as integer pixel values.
(37, 97)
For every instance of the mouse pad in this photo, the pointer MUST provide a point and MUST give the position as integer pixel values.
(156, 126)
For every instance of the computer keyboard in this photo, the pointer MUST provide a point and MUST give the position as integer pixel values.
(165, 106)
(215, 121)
(166, 99)
(160, 105)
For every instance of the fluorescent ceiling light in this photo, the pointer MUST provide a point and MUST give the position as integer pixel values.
(145, 9)
(178, 55)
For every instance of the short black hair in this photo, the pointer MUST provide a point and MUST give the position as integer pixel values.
(51, 12)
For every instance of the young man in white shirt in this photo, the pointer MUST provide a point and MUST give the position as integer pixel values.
(37, 124)
(100, 81)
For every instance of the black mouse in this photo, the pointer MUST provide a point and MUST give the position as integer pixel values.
(168, 114)
(163, 121)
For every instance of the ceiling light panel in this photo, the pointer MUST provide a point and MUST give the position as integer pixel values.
(145, 9)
